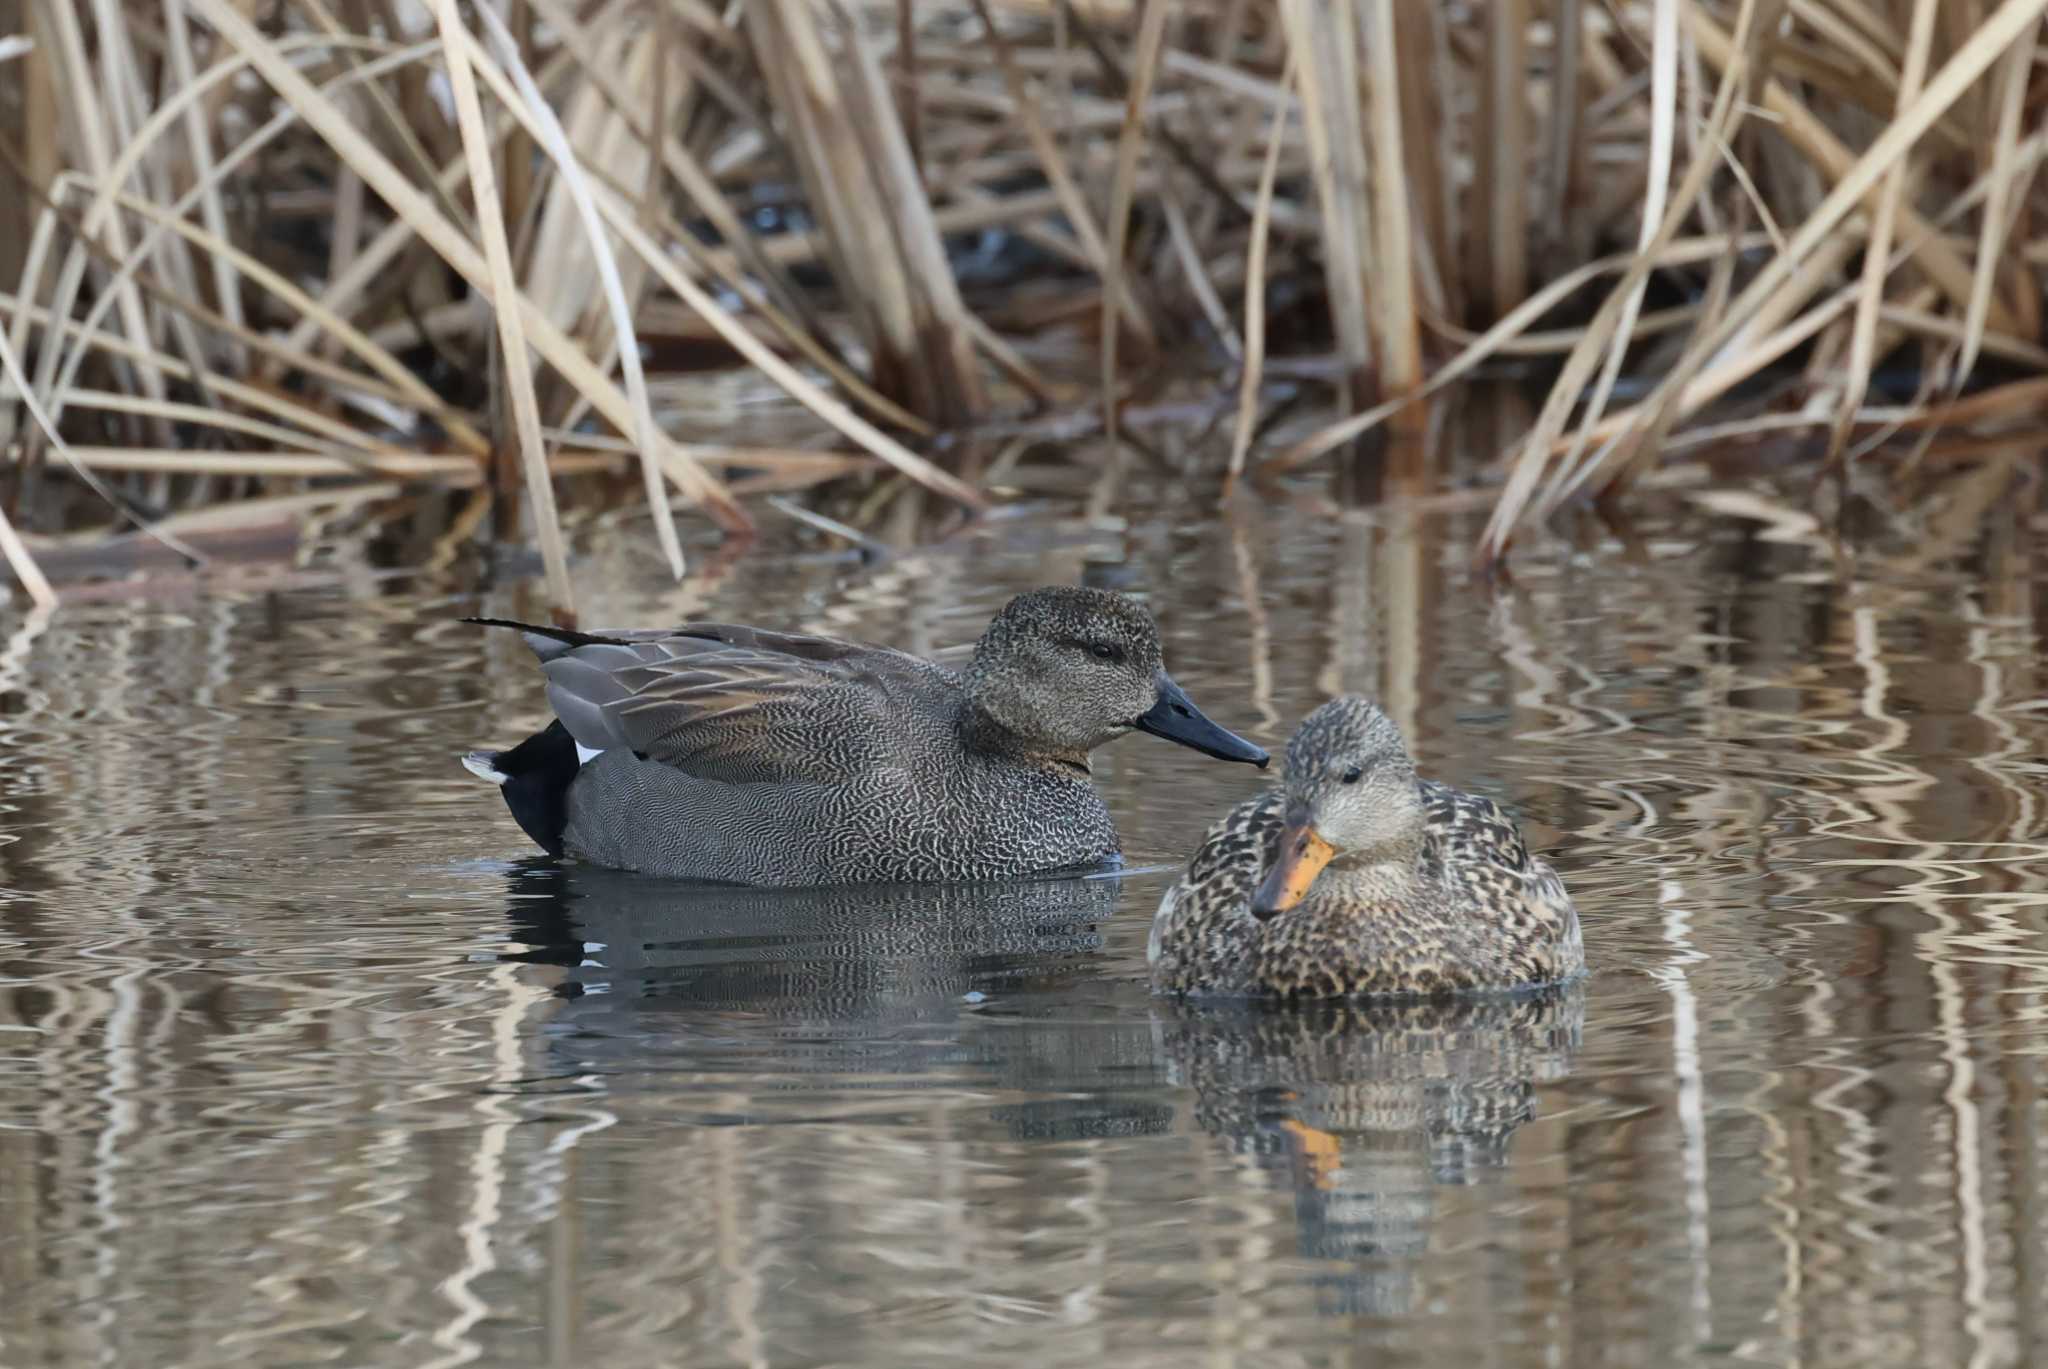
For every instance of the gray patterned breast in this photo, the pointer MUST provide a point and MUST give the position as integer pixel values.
(932, 811)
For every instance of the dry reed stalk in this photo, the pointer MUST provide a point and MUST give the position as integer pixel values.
(407, 133)
(1151, 41)
(705, 196)
(608, 144)
(518, 366)
(61, 373)
(11, 370)
(943, 345)
(2020, 399)
(310, 420)
(1323, 39)
(805, 392)
(403, 380)
(1629, 451)
(1425, 81)
(1564, 160)
(647, 437)
(1532, 463)
(81, 92)
(2008, 185)
(1400, 335)
(1834, 160)
(881, 235)
(24, 565)
(24, 237)
(296, 465)
(1863, 340)
(197, 415)
(1705, 381)
(371, 259)
(1031, 119)
(199, 140)
(263, 510)
(1965, 65)
(1011, 363)
(41, 123)
(1736, 365)
(1255, 295)
(1656, 193)
(1498, 339)
(1925, 323)
(1498, 271)
(1059, 175)
(1558, 341)
(1704, 384)
(1188, 253)
(447, 241)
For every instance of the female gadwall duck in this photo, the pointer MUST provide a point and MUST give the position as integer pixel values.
(753, 757)
(1356, 877)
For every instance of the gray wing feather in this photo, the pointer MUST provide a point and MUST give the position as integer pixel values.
(737, 704)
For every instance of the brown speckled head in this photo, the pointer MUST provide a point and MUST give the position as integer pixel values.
(1064, 670)
(1350, 777)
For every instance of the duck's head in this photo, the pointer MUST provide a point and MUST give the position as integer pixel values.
(1065, 670)
(1350, 792)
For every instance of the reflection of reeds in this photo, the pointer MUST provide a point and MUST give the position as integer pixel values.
(344, 236)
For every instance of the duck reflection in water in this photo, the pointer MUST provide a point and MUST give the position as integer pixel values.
(1367, 1108)
(878, 980)
(1364, 1109)
(827, 952)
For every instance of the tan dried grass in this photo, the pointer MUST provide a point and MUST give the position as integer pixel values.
(1436, 168)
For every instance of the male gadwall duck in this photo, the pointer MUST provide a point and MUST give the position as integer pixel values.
(747, 756)
(1356, 877)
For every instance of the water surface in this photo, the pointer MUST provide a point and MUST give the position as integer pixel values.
(304, 1059)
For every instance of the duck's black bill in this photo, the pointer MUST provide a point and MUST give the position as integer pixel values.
(1176, 718)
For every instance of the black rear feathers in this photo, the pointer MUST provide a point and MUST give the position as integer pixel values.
(537, 774)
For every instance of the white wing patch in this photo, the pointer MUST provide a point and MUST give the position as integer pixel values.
(585, 754)
(478, 763)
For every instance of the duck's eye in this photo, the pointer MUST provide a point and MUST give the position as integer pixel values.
(1353, 775)
(1103, 651)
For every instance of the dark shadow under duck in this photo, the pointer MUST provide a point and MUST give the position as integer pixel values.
(1356, 877)
(721, 752)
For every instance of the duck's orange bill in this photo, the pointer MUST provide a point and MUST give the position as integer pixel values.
(1303, 854)
(1322, 1152)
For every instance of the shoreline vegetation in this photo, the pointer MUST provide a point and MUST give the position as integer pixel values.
(913, 259)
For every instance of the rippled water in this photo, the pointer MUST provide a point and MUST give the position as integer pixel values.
(304, 1060)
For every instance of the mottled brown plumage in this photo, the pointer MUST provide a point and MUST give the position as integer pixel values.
(715, 751)
(1357, 877)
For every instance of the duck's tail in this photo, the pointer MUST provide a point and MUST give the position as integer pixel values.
(550, 642)
(534, 777)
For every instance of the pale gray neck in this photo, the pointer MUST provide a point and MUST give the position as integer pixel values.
(1387, 872)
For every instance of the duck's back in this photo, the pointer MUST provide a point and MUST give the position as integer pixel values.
(1474, 849)
(782, 760)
